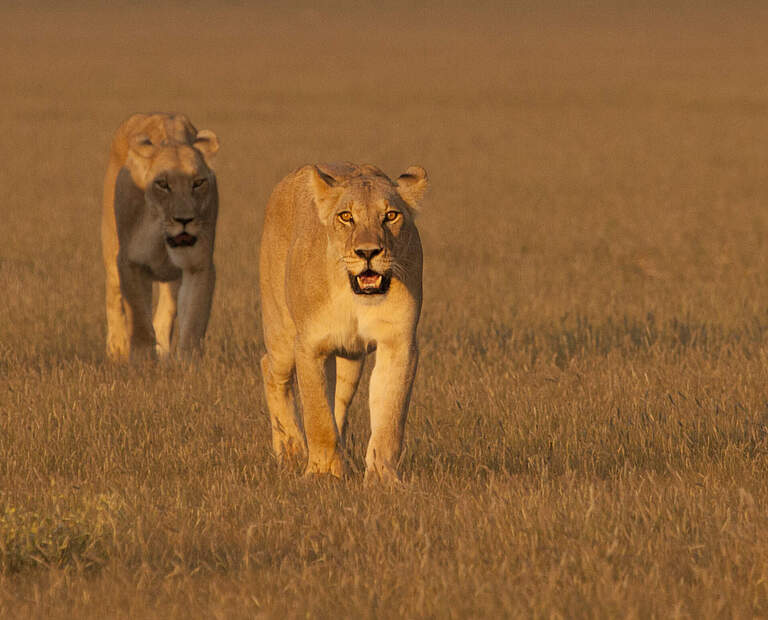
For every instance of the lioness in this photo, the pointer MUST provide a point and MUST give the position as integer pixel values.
(340, 276)
(158, 225)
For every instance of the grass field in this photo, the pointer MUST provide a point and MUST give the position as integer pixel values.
(588, 434)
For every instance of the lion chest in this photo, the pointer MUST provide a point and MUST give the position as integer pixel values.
(149, 251)
(354, 328)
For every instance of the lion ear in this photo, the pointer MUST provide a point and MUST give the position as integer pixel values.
(207, 143)
(142, 145)
(326, 191)
(412, 184)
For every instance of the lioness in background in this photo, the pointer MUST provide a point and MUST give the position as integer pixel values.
(158, 225)
(340, 271)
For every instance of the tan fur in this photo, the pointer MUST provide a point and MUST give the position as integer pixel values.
(317, 327)
(158, 174)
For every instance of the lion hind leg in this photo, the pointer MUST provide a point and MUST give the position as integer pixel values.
(165, 316)
(287, 435)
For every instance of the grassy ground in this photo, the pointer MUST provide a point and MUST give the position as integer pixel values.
(589, 428)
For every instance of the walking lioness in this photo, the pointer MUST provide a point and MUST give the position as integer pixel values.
(158, 225)
(340, 271)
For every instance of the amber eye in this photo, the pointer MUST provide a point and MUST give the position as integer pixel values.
(162, 184)
(198, 183)
(345, 216)
(391, 216)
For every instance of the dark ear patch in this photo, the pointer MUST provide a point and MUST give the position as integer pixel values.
(142, 145)
(329, 180)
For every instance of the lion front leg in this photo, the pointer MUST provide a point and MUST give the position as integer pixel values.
(165, 315)
(194, 308)
(118, 347)
(324, 454)
(390, 392)
(287, 436)
(136, 288)
(348, 373)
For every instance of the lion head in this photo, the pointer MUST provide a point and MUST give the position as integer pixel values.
(172, 166)
(369, 221)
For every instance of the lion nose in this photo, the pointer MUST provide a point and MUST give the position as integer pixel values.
(368, 252)
(183, 220)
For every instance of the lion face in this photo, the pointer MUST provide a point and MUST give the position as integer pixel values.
(368, 237)
(179, 186)
(370, 225)
(180, 189)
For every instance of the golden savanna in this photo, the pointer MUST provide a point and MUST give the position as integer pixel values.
(587, 432)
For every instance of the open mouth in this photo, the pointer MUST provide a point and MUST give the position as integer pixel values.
(369, 282)
(181, 240)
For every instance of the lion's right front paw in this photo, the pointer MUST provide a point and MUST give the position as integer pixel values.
(118, 350)
(290, 453)
(143, 353)
(322, 464)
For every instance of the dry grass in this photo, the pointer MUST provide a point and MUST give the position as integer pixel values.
(589, 429)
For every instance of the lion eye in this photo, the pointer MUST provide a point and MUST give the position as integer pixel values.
(162, 184)
(391, 216)
(345, 216)
(198, 183)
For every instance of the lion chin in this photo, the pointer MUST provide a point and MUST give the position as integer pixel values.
(369, 282)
